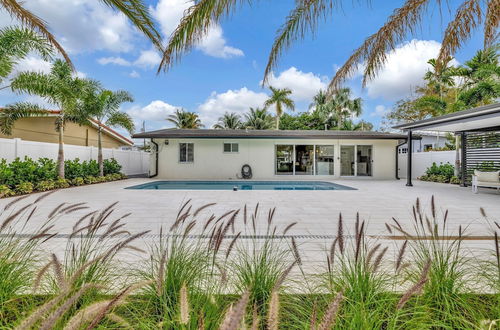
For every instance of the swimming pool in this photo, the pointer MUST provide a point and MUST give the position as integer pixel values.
(241, 185)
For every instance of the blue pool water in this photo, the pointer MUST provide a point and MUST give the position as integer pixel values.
(241, 185)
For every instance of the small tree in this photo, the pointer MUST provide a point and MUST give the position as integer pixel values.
(104, 106)
(60, 88)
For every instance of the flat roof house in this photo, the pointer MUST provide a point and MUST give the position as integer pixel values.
(272, 154)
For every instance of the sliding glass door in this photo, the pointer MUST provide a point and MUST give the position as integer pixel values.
(304, 159)
(347, 160)
(356, 160)
(284, 159)
(364, 160)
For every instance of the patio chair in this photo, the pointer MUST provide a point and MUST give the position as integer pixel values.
(485, 179)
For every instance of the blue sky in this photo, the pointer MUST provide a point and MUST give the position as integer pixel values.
(224, 72)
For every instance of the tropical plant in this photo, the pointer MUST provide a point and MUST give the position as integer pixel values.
(60, 88)
(349, 125)
(229, 120)
(307, 121)
(185, 119)
(135, 10)
(257, 118)
(104, 106)
(280, 98)
(16, 43)
(481, 78)
(372, 54)
(343, 106)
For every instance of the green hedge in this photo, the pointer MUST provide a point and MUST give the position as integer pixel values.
(23, 176)
(444, 173)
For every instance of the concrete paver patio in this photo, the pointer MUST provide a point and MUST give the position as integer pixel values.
(316, 212)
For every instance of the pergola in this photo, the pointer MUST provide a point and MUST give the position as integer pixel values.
(479, 129)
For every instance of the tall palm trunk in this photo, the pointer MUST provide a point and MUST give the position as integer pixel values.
(278, 114)
(60, 154)
(99, 151)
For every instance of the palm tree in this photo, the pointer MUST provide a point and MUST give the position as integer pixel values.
(349, 125)
(16, 43)
(258, 119)
(230, 120)
(60, 88)
(135, 10)
(281, 100)
(304, 19)
(481, 75)
(104, 106)
(440, 78)
(343, 106)
(185, 119)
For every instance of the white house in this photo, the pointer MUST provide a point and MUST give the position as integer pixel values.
(428, 140)
(272, 154)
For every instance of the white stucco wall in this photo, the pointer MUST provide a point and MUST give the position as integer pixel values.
(210, 162)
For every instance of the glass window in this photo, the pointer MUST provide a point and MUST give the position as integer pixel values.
(186, 152)
(231, 147)
(324, 160)
(284, 159)
(304, 159)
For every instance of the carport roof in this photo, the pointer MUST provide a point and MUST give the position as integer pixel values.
(477, 119)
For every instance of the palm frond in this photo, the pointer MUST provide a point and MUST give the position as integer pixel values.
(373, 51)
(16, 43)
(121, 119)
(491, 23)
(36, 83)
(13, 112)
(196, 22)
(467, 19)
(138, 13)
(303, 19)
(27, 18)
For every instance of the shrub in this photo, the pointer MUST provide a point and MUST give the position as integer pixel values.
(73, 169)
(45, 185)
(90, 179)
(111, 166)
(62, 183)
(455, 180)
(78, 181)
(24, 188)
(439, 173)
(22, 171)
(46, 170)
(90, 168)
(5, 191)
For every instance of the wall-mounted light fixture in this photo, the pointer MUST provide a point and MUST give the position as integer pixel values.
(166, 142)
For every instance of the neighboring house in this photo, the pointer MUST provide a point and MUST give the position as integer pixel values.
(272, 154)
(42, 129)
(428, 141)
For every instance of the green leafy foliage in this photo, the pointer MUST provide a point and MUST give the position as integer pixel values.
(111, 166)
(443, 173)
(23, 176)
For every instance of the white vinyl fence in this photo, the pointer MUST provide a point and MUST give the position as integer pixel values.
(422, 160)
(132, 162)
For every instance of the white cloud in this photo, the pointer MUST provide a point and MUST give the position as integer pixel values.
(170, 12)
(154, 111)
(303, 85)
(214, 45)
(404, 69)
(148, 59)
(114, 60)
(32, 63)
(134, 74)
(83, 26)
(238, 101)
(380, 111)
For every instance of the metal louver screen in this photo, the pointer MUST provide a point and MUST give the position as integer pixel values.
(482, 152)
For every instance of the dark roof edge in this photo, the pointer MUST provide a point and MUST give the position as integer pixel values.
(464, 114)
